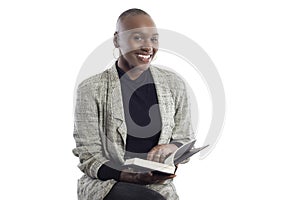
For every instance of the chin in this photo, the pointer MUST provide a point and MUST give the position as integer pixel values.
(141, 67)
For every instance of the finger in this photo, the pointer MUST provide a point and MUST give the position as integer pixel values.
(160, 177)
(144, 174)
(156, 157)
(171, 176)
(159, 156)
(151, 153)
(162, 158)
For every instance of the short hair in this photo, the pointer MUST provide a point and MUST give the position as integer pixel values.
(132, 12)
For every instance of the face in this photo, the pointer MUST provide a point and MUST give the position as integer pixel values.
(137, 40)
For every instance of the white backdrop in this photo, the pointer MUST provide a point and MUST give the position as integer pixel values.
(255, 46)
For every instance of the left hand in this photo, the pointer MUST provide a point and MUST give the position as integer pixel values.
(160, 152)
(144, 178)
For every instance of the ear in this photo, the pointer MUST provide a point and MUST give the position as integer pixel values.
(116, 40)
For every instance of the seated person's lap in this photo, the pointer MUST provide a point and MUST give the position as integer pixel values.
(129, 191)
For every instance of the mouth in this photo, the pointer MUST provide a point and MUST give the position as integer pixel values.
(145, 58)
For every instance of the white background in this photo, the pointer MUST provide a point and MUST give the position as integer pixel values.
(255, 46)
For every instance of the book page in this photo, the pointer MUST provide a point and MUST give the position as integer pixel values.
(188, 154)
(179, 152)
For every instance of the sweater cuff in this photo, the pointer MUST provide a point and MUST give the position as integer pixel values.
(105, 172)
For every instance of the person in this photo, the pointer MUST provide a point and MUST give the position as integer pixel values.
(132, 109)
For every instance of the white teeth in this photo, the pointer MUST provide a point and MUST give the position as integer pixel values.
(144, 56)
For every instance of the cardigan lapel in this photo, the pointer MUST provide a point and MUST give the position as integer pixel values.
(164, 100)
(115, 103)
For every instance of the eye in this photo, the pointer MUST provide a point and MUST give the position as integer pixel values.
(137, 38)
(154, 39)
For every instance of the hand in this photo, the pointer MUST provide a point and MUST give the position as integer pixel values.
(160, 152)
(144, 178)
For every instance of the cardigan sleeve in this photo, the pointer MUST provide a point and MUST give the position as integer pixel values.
(89, 147)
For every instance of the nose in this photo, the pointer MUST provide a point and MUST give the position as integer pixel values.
(148, 49)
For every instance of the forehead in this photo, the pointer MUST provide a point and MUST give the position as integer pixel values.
(144, 32)
(135, 22)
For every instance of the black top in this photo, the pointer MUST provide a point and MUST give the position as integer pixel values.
(142, 116)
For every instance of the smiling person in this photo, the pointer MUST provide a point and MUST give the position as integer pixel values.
(132, 109)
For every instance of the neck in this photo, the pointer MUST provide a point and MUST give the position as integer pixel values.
(132, 71)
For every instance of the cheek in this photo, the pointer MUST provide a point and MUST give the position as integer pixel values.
(155, 46)
(128, 46)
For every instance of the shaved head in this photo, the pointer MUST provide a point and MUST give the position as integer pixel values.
(125, 23)
(132, 12)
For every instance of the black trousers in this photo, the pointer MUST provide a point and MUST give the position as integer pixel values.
(130, 191)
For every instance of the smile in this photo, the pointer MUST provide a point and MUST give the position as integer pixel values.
(145, 58)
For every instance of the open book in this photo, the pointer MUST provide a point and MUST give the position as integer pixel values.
(181, 154)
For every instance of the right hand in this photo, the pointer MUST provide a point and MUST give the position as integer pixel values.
(160, 152)
(144, 178)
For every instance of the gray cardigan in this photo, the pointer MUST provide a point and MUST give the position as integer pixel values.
(100, 128)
